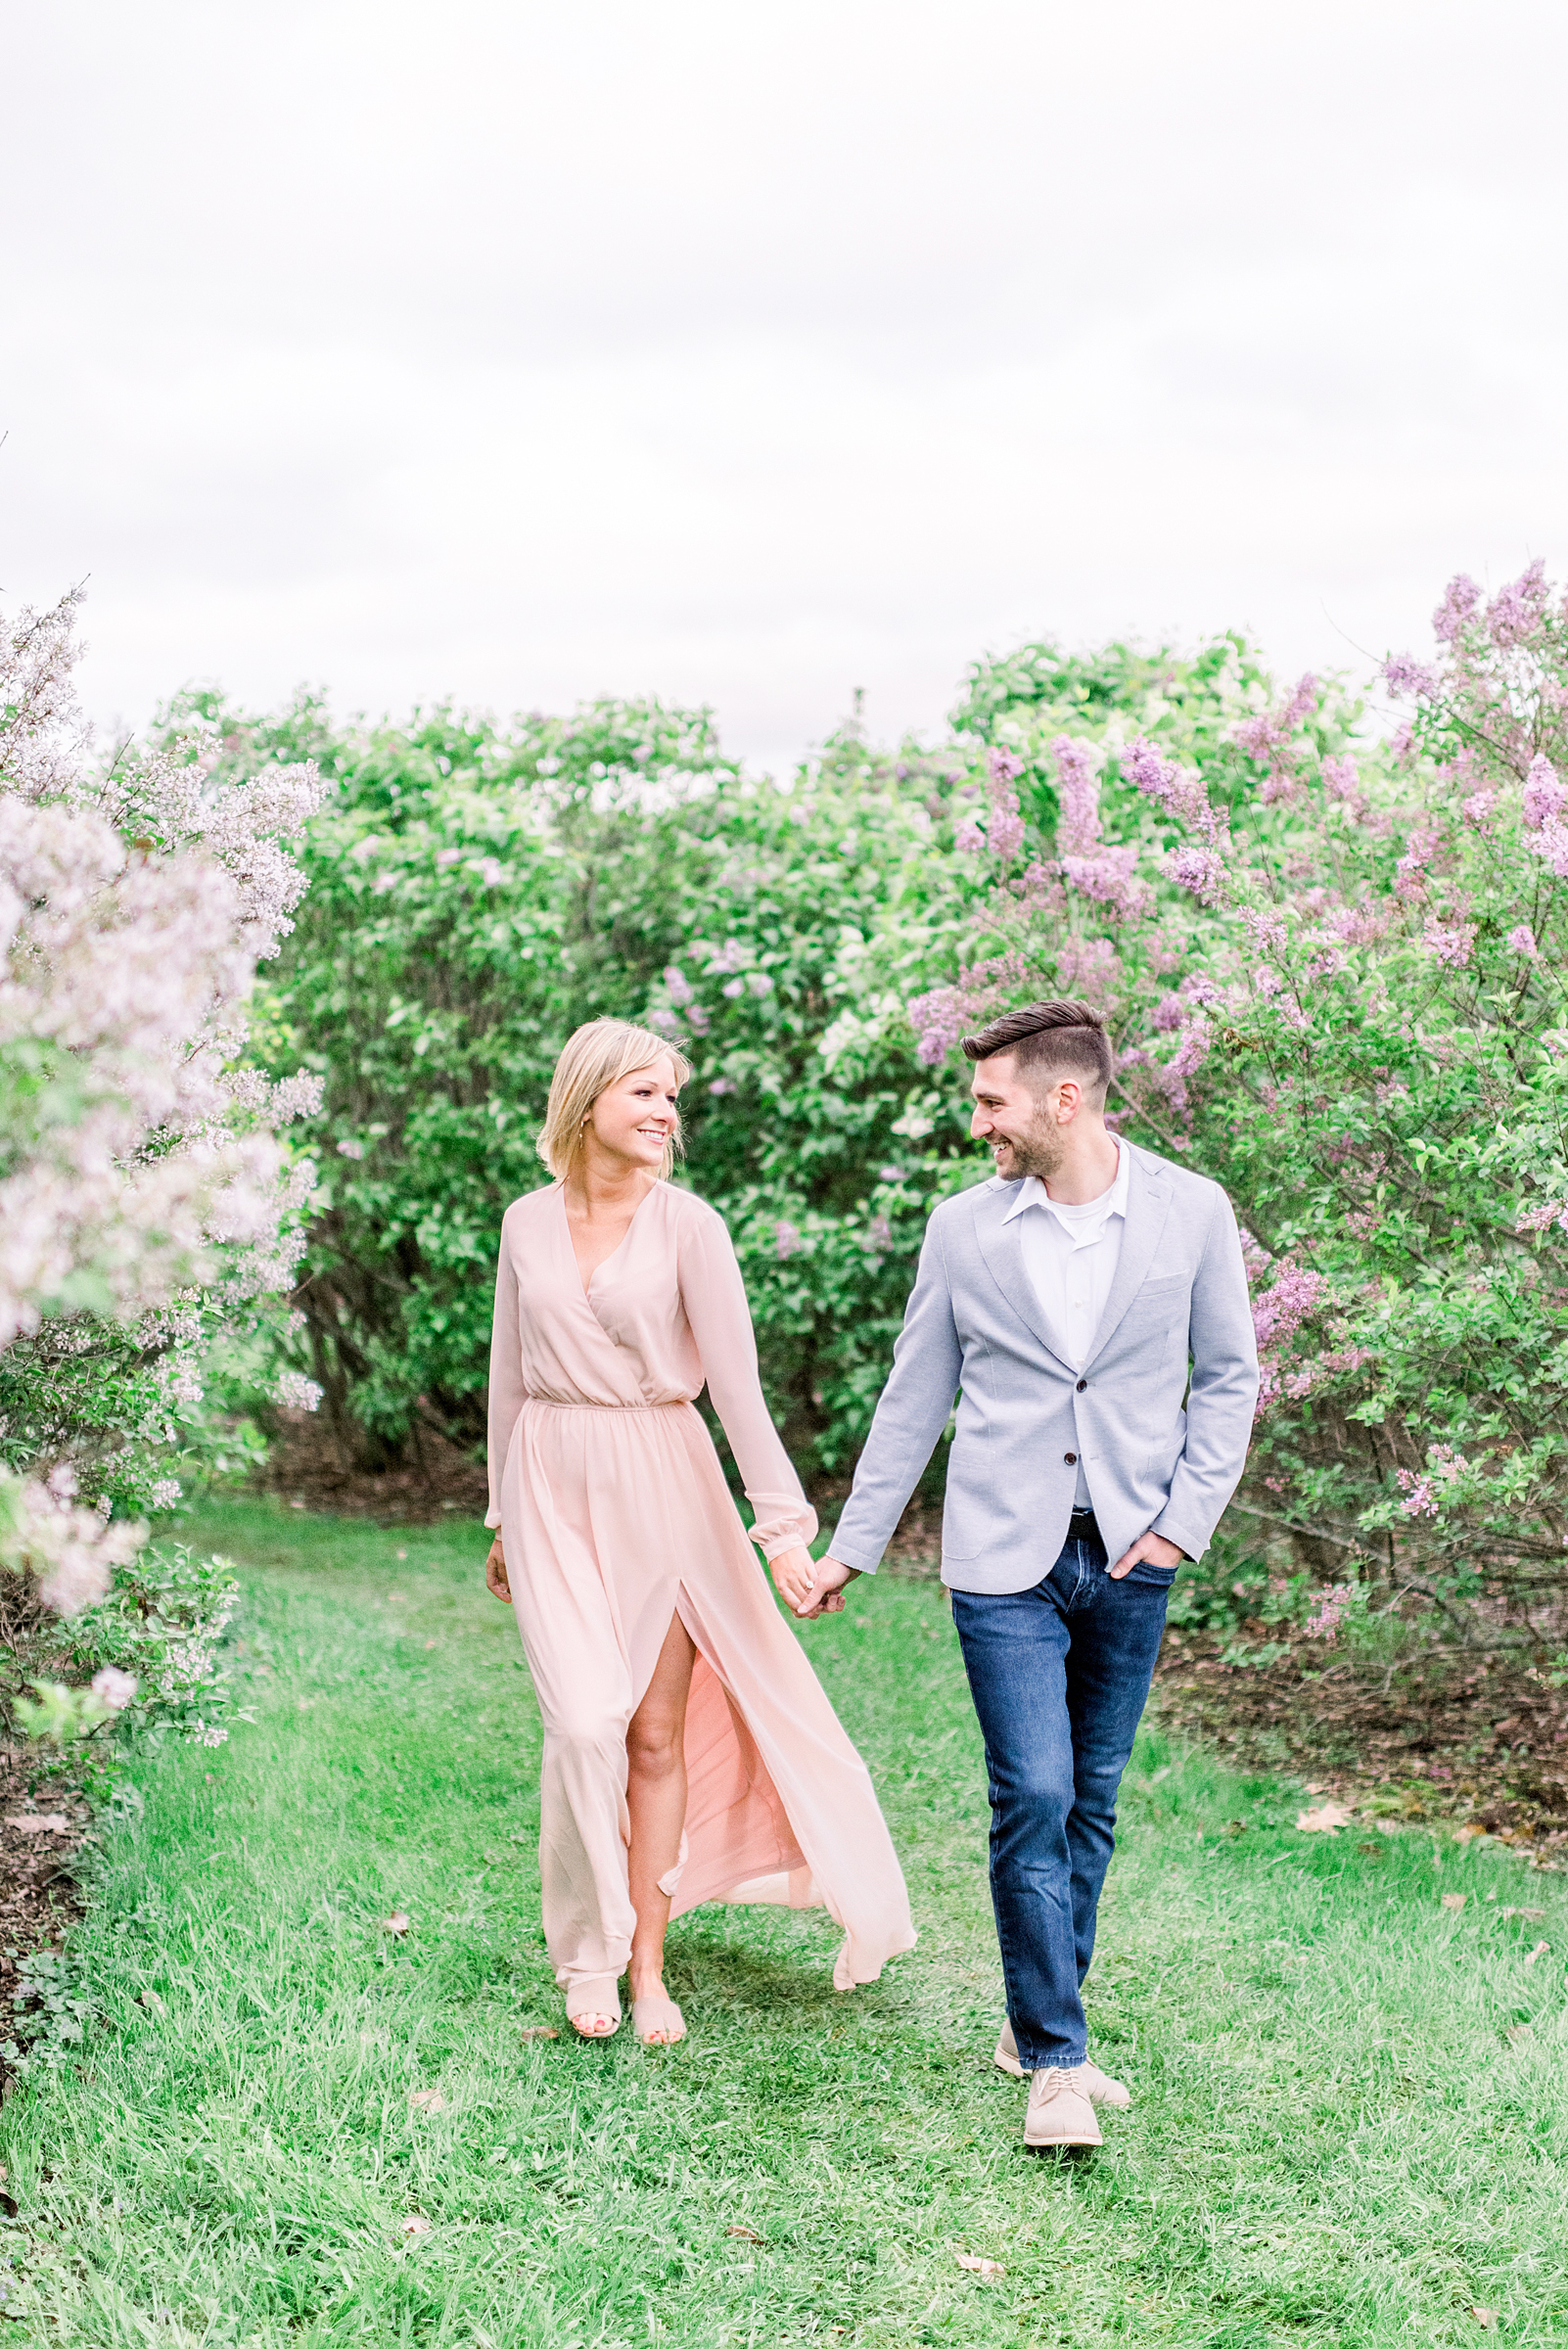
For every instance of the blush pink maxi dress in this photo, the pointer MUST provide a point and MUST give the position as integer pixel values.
(616, 1517)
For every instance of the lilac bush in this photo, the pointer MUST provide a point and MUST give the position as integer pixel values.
(1333, 962)
(148, 1203)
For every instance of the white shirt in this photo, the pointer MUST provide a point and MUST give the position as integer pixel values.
(1071, 1254)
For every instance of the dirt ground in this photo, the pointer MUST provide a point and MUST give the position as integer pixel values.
(38, 1896)
(1482, 1740)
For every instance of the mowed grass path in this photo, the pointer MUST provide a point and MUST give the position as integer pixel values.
(1333, 2140)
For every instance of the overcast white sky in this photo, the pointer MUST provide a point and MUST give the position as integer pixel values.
(749, 352)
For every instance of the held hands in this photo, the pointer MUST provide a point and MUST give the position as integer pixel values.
(1153, 1546)
(810, 1590)
(495, 1572)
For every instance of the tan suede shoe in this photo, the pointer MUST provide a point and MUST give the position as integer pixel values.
(1101, 2087)
(1059, 2110)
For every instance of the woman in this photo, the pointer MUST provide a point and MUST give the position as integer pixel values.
(690, 1754)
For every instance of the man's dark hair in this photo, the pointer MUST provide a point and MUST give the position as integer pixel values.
(1060, 1039)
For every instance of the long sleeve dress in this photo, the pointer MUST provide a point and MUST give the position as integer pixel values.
(614, 1517)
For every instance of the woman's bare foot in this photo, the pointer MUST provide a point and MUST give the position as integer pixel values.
(662, 2024)
(655, 2017)
(590, 2016)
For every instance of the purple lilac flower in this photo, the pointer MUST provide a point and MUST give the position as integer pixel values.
(1078, 825)
(1179, 793)
(677, 987)
(1545, 797)
(1109, 878)
(1005, 834)
(1281, 1309)
(1448, 943)
(1201, 871)
(1514, 613)
(1456, 610)
(1325, 1621)
(1105, 875)
(1411, 679)
(1521, 940)
(1267, 737)
(787, 1241)
(1421, 1499)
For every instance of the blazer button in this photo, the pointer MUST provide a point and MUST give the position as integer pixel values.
(1071, 1458)
(1081, 1384)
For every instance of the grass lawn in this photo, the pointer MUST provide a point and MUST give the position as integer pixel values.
(1333, 2140)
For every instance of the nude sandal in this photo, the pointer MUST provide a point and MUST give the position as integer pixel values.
(656, 2013)
(596, 1993)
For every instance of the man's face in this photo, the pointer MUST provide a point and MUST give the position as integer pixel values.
(1025, 1128)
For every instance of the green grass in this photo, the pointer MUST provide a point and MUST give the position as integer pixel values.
(1333, 2139)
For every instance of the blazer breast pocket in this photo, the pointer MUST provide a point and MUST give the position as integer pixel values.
(1158, 1302)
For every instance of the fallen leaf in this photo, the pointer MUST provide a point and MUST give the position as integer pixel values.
(1468, 1834)
(1542, 1949)
(39, 1823)
(1534, 1915)
(1454, 1900)
(539, 2031)
(1374, 1851)
(987, 2268)
(402, 1553)
(744, 2234)
(397, 1599)
(1323, 1818)
(428, 2099)
(415, 2225)
(399, 1921)
(1486, 2318)
(1315, 1786)
(152, 2002)
(429, 1643)
(1516, 2034)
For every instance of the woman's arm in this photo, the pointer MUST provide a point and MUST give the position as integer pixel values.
(506, 1374)
(713, 1295)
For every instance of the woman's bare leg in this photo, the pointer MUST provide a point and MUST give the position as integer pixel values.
(655, 1799)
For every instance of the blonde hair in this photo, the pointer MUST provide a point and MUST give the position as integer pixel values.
(593, 1059)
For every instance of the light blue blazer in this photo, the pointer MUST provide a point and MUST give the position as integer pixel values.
(1160, 1411)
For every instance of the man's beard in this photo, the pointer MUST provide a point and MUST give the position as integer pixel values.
(1041, 1152)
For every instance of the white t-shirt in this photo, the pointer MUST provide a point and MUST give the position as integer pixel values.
(1071, 1254)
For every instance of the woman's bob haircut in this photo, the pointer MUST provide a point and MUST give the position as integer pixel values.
(593, 1059)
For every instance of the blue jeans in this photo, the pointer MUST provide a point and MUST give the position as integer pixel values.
(1059, 1675)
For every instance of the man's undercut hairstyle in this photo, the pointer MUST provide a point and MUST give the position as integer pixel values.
(1047, 1040)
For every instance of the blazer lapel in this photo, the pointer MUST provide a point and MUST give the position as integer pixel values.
(1003, 1250)
(1148, 1203)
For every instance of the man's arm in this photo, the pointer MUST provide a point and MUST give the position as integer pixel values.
(1220, 1396)
(927, 1362)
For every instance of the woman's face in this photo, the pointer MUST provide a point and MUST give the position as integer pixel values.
(635, 1117)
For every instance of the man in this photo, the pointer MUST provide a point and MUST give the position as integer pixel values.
(1075, 1302)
